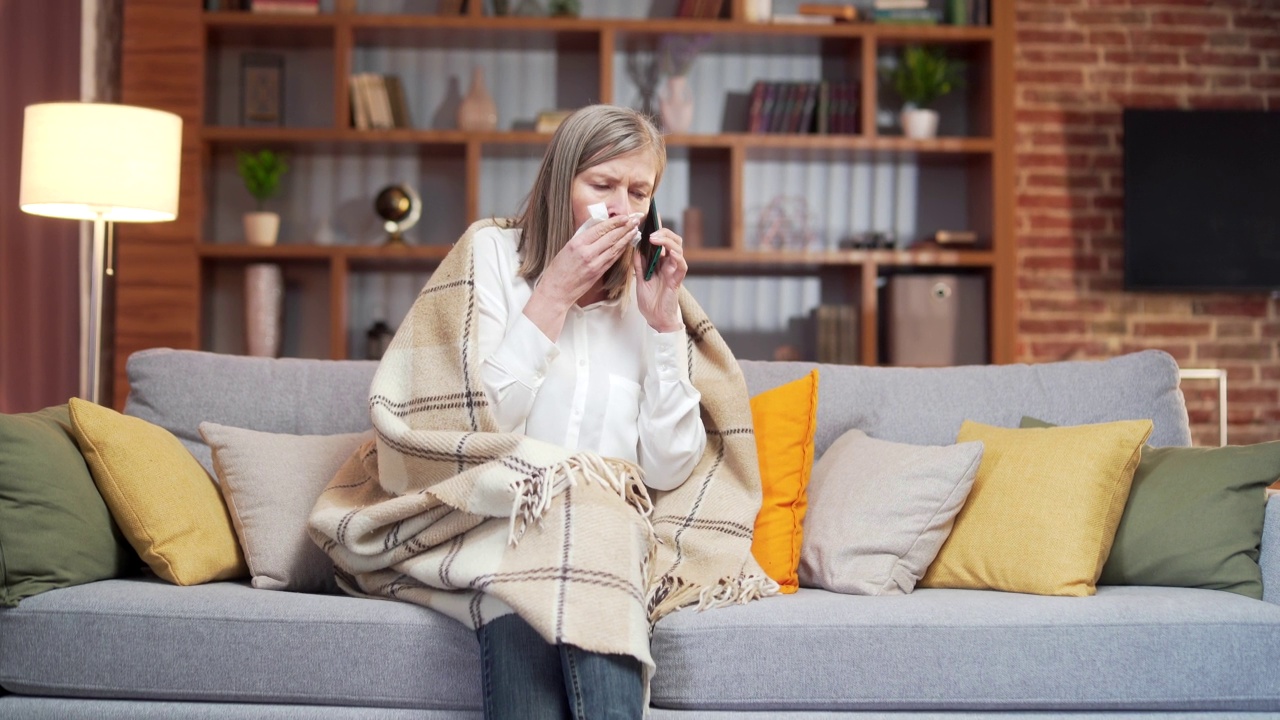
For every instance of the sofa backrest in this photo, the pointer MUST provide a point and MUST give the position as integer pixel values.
(179, 389)
(925, 406)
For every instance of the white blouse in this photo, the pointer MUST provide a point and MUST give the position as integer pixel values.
(610, 384)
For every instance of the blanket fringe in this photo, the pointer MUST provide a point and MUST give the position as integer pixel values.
(533, 494)
(738, 591)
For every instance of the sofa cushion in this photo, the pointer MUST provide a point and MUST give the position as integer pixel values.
(880, 511)
(179, 389)
(1043, 510)
(925, 406)
(784, 419)
(164, 502)
(226, 642)
(1194, 518)
(270, 482)
(1137, 648)
(55, 530)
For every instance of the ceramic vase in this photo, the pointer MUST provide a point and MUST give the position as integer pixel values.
(261, 228)
(263, 299)
(477, 111)
(920, 124)
(675, 104)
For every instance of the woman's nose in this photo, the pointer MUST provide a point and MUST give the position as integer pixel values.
(617, 203)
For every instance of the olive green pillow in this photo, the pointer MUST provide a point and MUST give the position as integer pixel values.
(1194, 518)
(55, 530)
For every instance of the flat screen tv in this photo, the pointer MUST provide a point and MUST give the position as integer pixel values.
(1201, 200)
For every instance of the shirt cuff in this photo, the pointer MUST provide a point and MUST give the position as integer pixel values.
(525, 353)
(669, 354)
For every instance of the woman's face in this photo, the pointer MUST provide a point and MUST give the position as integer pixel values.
(624, 184)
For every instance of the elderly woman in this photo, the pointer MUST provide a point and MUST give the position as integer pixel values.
(544, 385)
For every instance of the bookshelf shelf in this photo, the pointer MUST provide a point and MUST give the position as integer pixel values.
(186, 271)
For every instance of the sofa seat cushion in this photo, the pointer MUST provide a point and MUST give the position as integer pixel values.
(147, 639)
(1126, 648)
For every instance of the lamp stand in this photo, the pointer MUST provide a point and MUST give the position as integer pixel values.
(101, 264)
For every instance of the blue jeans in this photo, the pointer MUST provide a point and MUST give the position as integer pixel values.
(525, 677)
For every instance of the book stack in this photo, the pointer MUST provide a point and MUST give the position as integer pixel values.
(287, 7)
(378, 102)
(837, 334)
(819, 108)
(704, 9)
(907, 12)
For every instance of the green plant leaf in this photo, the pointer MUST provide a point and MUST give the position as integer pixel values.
(261, 173)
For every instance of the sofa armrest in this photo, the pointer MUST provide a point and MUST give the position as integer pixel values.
(1269, 552)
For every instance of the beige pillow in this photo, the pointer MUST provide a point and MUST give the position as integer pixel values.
(270, 482)
(165, 503)
(879, 511)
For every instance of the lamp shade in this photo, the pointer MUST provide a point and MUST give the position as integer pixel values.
(86, 161)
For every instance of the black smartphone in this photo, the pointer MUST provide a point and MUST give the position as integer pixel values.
(651, 253)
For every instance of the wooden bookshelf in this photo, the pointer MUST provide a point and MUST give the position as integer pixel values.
(172, 50)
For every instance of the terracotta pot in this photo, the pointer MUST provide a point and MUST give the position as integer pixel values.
(477, 111)
(920, 124)
(261, 228)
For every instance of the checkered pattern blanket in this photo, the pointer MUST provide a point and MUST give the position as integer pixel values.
(442, 510)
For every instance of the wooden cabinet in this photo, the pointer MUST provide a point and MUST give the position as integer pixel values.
(340, 279)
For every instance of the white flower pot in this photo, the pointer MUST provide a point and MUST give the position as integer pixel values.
(261, 228)
(920, 124)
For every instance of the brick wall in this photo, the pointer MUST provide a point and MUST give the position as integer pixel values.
(1078, 63)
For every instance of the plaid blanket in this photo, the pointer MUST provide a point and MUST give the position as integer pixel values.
(442, 510)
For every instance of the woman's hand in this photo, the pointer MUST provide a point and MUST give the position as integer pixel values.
(576, 269)
(659, 296)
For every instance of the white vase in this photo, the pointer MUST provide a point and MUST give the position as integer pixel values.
(261, 228)
(919, 124)
(675, 104)
(477, 112)
(263, 299)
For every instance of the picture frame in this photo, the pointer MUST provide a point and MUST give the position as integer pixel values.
(261, 89)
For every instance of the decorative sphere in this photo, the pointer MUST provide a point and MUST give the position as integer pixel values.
(393, 204)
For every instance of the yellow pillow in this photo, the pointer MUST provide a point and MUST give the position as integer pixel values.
(165, 503)
(784, 418)
(1043, 510)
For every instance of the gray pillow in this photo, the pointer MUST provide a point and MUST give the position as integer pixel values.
(270, 482)
(879, 511)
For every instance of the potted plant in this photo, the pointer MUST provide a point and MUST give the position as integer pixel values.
(261, 173)
(923, 74)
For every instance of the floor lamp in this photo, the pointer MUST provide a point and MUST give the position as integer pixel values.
(104, 163)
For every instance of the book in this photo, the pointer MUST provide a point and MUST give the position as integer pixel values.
(802, 20)
(400, 117)
(842, 13)
(359, 103)
(955, 237)
(924, 16)
(900, 4)
(755, 107)
(379, 102)
(286, 7)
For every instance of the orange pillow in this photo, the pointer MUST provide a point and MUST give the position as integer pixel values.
(784, 418)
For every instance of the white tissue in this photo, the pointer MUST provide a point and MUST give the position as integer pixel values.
(600, 212)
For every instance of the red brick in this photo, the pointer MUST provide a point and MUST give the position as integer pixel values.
(1052, 327)
(1053, 55)
(1268, 81)
(1168, 39)
(1173, 329)
(1143, 99)
(1058, 181)
(1085, 223)
(1270, 372)
(1268, 396)
(1191, 19)
(1239, 307)
(1145, 57)
(1270, 330)
(1105, 283)
(1250, 21)
(1050, 242)
(1082, 350)
(1090, 306)
(1229, 40)
(1236, 329)
(1034, 36)
(1029, 201)
(1061, 96)
(1108, 202)
(1038, 283)
(1179, 79)
(1041, 16)
(1241, 102)
(1264, 42)
(1234, 351)
(1108, 76)
(1108, 162)
(1228, 82)
(1108, 38)
(1204, 59)
(1050, 77)
(1107, 327)
(1056, 262)
(1057, 161)
(1109, 17)
(1248, 435)
(1074, 139)
(1181, 353)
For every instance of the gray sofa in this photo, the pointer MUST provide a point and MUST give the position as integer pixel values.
(141, 648)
